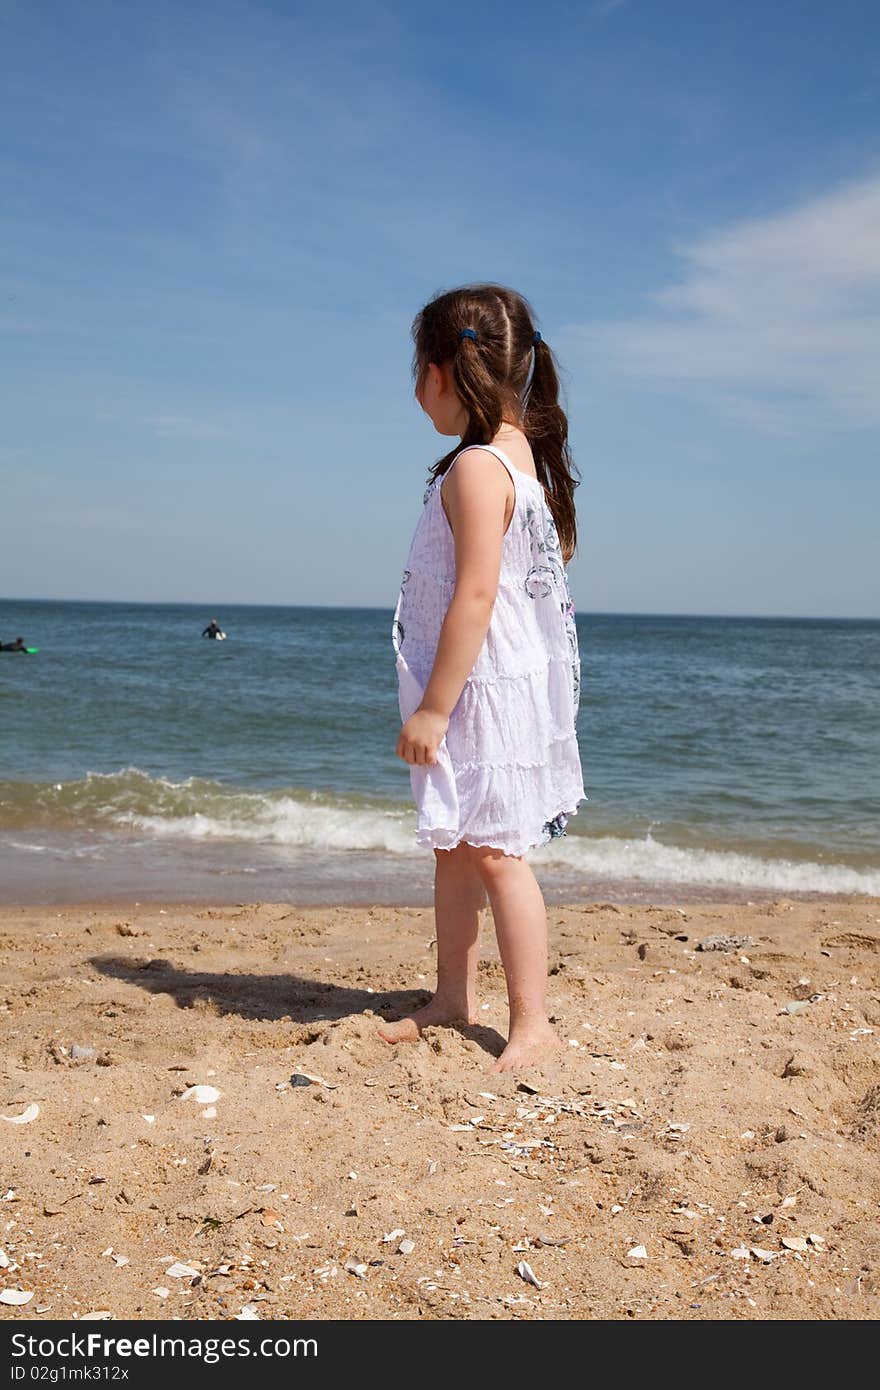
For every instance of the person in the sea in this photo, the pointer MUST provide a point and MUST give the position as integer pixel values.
(213, 629)
(487, 652)
(17, 646)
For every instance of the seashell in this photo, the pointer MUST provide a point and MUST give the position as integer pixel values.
(150, 1119)
(318, 1080)
(161, 1293)
(795, 1243)
(210, 1113)
(527, 1274)
(353, 1267)
(638, 1252)
(15, 1296)
(393, 1235)
(100, 1316)
(764, 1255)
(202, 1095)
(180, 1271)
(24, 1118)
(247, 1314)
(742, 1252)
(406, 1247)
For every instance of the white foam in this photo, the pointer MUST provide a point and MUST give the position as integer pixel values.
(650, 861)
(286, 821)
(200, 810)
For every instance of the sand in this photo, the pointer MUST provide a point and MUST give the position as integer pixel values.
(691, 1118)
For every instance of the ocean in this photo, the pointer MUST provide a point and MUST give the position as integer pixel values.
(724, 758)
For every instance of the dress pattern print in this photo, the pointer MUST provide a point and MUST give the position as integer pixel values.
(548, 574)
(508, 771)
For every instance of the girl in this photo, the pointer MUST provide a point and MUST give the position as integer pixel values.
(487, 651)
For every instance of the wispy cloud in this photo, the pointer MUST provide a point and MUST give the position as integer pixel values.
(168, 425)
(777, 317)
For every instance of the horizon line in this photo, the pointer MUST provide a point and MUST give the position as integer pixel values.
(381, 608)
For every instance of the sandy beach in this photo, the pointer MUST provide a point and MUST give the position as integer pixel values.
(707, 1146)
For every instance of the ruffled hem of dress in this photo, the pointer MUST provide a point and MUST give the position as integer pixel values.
(427, 837)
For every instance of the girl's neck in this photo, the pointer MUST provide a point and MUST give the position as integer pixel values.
(507, 430)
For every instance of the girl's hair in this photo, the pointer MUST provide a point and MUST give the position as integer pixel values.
(492, 377)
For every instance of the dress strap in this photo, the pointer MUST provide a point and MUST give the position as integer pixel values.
(499, 454)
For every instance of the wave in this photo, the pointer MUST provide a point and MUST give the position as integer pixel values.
(198, 809)
(647, 860)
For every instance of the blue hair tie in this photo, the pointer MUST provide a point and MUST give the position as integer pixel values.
(467, 333)
(537, 339)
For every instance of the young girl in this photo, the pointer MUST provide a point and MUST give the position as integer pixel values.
(487, 651)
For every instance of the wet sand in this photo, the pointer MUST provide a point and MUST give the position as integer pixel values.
(707, 1146)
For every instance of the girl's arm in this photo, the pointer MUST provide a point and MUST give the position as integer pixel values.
(476, 498)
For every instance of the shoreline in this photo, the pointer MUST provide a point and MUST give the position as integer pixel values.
(164, 871)
(694, 1115)
(649, 899)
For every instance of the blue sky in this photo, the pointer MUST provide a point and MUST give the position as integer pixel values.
(218, 221)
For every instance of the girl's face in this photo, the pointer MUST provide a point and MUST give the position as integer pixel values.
(439, 400)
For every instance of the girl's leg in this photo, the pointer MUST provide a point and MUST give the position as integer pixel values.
(458, 897)
(521, 927)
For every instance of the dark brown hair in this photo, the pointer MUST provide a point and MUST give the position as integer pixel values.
(491, 375)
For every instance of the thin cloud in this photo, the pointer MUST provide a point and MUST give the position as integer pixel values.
(169, 426)
(777, 317)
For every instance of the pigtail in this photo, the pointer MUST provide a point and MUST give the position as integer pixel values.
(545, 425)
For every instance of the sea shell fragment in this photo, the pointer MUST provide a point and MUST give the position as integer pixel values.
(202, 1095)
(25, 1118)
(527, 1274)
(795, 1243)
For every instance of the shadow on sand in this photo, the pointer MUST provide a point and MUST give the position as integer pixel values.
(276, 997)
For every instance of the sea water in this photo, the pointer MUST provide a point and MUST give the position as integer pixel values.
(722, 757)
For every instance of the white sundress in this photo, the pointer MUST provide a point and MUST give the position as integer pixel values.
(508, 771)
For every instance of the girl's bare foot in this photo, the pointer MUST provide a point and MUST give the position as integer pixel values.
(528, 1043)
(409, 1029)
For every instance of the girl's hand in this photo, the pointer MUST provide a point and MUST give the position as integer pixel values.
(421, 736)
